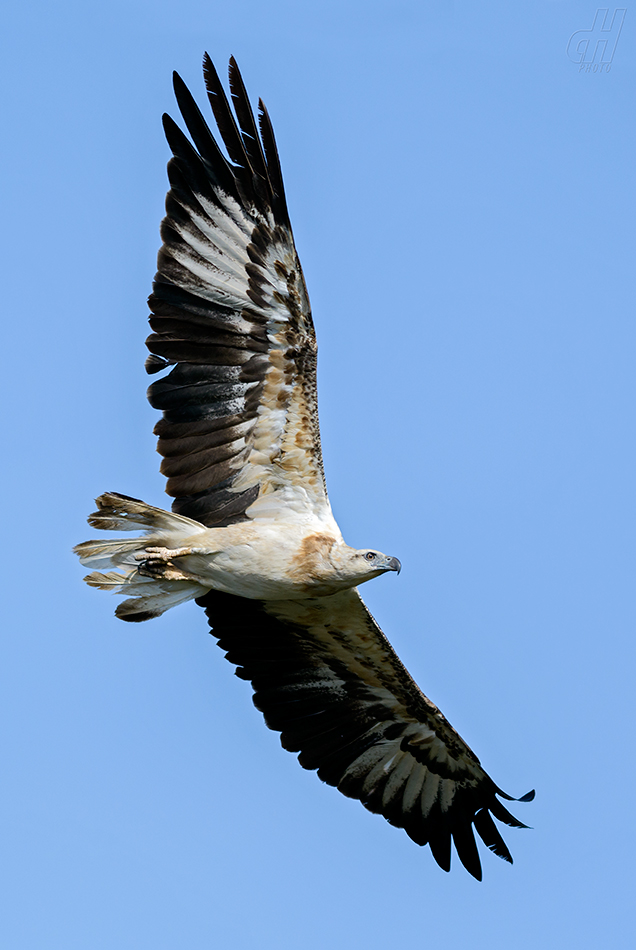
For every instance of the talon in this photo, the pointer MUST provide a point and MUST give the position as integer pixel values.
(159, 563)
(152, 567)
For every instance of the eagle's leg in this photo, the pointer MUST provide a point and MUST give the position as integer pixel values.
(166, 554)
(158, 563)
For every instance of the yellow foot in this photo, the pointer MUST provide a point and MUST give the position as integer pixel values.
(158, 563)
(164, 554)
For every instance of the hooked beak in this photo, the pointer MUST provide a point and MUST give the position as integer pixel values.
(392, 564)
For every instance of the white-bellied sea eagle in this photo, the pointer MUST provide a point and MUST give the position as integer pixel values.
(251, 535)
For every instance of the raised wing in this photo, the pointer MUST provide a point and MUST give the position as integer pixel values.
(326, 677)
(230, 309)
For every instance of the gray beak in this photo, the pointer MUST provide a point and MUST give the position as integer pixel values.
(392, 564)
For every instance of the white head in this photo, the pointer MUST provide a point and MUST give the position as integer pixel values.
(360, 565)
(330, 565)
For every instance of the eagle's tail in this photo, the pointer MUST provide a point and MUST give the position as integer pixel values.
(149, 595)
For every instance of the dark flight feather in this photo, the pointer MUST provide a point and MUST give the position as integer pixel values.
(349, 723)
(249, 134)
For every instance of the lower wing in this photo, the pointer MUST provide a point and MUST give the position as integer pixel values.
(326, 678)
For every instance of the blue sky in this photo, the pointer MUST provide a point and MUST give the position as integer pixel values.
(462, 198)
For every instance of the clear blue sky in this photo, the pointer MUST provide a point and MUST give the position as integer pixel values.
(463, 202)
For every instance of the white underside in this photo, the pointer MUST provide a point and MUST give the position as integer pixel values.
(256, 559)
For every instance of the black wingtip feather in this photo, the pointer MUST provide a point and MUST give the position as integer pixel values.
(273, 164)
(489, 834)
(202, 137)
(502, 814)
(249, 132)
(528, 797)
(439, 841)
(226, 122)
(466, 847)
(191, 166)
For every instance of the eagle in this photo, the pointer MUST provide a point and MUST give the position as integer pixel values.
(251, 536)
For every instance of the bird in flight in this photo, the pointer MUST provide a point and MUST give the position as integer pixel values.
(251, 535)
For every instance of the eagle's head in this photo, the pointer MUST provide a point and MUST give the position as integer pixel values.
(355, 566)
(325, 564)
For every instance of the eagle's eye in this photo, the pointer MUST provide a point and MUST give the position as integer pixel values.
(370, 556)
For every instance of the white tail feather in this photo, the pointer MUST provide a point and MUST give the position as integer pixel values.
(154, 604)
(121, 513)
(117, 553)
(151, 596)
